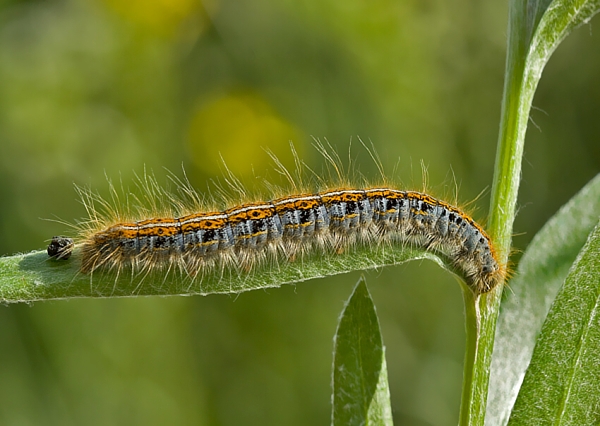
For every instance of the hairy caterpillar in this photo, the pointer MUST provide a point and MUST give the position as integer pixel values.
(194, 240)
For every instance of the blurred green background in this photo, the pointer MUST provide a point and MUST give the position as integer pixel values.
(95, 87)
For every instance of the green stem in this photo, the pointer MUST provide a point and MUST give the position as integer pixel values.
(472, 331)
(482, 312)
(516, 103)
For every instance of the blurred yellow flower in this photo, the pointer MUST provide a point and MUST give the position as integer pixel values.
(162, 17)
(238, 126)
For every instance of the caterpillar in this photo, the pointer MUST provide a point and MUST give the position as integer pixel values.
(285, 228)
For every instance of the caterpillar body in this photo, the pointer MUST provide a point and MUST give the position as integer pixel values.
(287, 227)
(181, 233)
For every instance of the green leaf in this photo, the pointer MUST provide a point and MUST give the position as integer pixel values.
(562, 383)
(34, 276)
(542, 271)
(536, 28)
(360, 387)
(558, 20)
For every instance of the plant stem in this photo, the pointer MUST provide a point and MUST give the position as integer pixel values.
(482, 312)
(472, 332)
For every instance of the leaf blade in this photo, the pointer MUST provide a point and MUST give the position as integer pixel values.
(542, 271)
(562, 383)
(34, 276)
(535, 29)
(360, 387)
